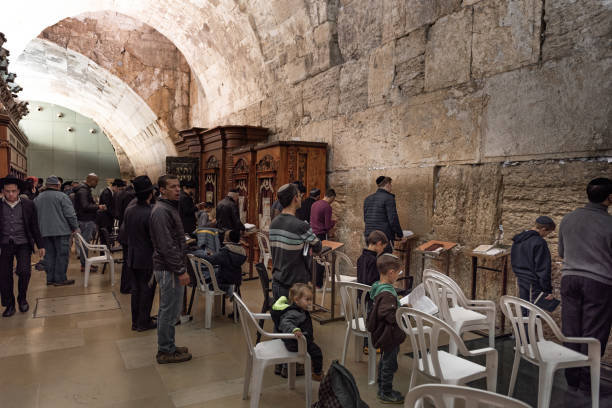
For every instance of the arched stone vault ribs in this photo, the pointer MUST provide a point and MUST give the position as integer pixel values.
(49, 72)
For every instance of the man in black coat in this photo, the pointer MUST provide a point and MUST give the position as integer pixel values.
(19, 233)
(86, 211)
(187, 208)
(123, 200)
(106, 218)
(140, 253)
(229, 259)
(380, 212)
(315, 194)
(228, 215)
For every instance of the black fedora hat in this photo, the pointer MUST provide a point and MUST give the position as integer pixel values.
(11, 180)
(118, 183)
(142, 184)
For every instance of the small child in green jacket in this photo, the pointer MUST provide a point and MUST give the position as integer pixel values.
(386, 334)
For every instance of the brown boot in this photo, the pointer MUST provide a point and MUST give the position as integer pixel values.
(176, 357)
(182, 350)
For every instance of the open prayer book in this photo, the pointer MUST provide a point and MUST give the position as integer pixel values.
(487, 250)
(418, 300)
(248, 226)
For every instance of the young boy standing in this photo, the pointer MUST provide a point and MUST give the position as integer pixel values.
(367, 273)
(294, 317)
(531, 263)
(386, 334)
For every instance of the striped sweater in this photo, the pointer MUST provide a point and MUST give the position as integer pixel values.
(288, 235)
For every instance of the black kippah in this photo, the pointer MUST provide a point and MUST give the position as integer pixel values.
(544, 220)
(379, 179)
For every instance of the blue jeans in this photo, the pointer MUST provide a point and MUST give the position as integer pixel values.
(387, 366)
(87, 230)
(57, 253)
(170, 299)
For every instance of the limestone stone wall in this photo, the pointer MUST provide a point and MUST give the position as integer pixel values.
(484, 112)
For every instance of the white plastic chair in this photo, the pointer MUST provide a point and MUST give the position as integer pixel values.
(107, 258)
(425, 331)
(462, 314)
(209, 294)
(438, 394)
(269, 352)
(549, 356)
(355, 315)
(265, 254)
(341, 258)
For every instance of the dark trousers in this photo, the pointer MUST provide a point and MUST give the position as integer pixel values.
(279, 290)
(387, 366)
(57, 253)
(142, 297)
(126, 273)
(528, 291)
(8, 253)
(320, 268)
(586, 311)
(316, 355)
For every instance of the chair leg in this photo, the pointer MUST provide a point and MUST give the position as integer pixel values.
(112, 272)
(209, 303)
(257, 379)
(515, 366)
(346, 343)
(595, 374)
(545, 385)
(223, 305)
(291, 375)
(371, 362)
(413, 373)
(358, 348)
(308, 380)
(87, 268)
(247, 376)
(264, 309)
(492, 335)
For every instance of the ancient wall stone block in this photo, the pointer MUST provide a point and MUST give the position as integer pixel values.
(439, 127)
(327, 51)
(424, 12)
(409, 60)
(577, 27)
(289, 108)
(353, 86)
(447, 56)
(296, 70)
(381, 72)
(394, 21)
(565, 107)
(359, 28)
(506, 35)
(321, 95)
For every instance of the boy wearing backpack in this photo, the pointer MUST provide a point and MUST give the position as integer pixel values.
(386, 334)
(294, 317)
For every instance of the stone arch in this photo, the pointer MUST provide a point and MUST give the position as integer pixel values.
(51, 73)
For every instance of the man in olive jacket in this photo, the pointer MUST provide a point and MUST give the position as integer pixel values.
(169, 268)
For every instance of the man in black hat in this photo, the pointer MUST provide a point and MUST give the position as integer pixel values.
(106, 218)
(380, 212)
(228, 214)
(315, 194)
(19, 233)
(187, 208)
(530, 258)
(140, 253)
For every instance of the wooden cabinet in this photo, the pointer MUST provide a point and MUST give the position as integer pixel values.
(13, 145)
(283, 162)
(243, 180)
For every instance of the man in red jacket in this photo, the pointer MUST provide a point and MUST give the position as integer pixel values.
(321, 223)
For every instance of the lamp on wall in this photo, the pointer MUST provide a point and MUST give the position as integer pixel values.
(69, 128)
(92, 130)
(60, 115)
(39, 108)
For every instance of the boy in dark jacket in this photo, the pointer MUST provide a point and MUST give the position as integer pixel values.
(229, 259)
(294, 317)
(531, 262)
(386, 334)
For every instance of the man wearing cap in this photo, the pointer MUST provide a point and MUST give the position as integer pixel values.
(18, 234)
(315, 193)
(380, 212)
(585, 244)
(530, 258)
(140, 253)
(288, 238)
(57, 220)
(86, 210)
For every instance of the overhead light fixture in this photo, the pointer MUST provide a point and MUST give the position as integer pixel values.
(60, 115)
(92, 130)
(70, 129)
(39, 108)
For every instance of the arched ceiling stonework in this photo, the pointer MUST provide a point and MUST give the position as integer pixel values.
(137, 54)
(49, 72)
(231, 45)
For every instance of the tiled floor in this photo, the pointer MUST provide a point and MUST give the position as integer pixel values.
(94, 359)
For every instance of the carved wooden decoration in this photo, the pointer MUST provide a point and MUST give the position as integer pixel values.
(241, 167)
(212, 163)
(267, 163)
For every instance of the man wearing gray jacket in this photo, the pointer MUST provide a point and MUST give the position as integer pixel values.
(168, 239)
(57, 220)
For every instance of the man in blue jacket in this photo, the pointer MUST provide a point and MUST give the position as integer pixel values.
(380, 212)
(530, 258)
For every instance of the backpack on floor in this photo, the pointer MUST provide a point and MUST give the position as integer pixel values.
(338, 389)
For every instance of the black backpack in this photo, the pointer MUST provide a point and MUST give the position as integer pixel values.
(338, 389)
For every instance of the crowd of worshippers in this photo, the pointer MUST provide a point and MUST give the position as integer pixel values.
(153, 219)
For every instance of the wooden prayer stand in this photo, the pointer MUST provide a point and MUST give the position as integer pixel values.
(500, 257)
(426, 252)
(404, 251)
(321, 308)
